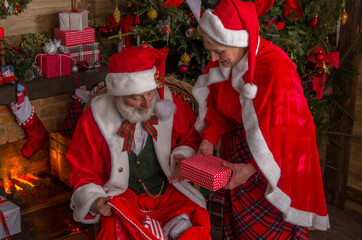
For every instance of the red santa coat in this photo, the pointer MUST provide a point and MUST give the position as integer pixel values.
(279, 129)
(99, 168)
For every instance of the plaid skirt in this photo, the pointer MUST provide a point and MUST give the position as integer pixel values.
(247, 213)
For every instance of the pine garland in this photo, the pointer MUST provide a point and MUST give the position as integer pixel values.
(12, 7)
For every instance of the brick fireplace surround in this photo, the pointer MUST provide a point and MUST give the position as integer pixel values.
(51, 99)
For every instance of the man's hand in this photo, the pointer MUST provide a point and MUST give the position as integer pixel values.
(241, 173)
(176, 176)
(206, 148)
(100, 206)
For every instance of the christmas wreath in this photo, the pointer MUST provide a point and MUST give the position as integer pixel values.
(10, 7)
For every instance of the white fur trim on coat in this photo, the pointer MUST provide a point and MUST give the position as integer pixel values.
(82, 200)
(108, 121)
(124, 84)
(186, 151)
(213, 27)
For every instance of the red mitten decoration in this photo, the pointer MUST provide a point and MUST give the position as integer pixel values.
(70, 121)
(81, 97)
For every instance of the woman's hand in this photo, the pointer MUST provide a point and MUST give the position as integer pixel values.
(176, 176)
(241, 173)
(206, 148)
(101, 207)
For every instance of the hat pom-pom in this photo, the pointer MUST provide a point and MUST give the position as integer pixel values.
(165, 108)
(250, 91)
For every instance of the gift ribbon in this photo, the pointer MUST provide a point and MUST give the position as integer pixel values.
(3, 221)
(75, 11)
(60, 65)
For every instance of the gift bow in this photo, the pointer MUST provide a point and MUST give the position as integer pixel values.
(127, 131)
(292, 8)
(331, 59)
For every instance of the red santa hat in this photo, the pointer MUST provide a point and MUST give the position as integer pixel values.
(234, 23)
(136, 70)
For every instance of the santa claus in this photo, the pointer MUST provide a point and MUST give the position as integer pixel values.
(125, 153)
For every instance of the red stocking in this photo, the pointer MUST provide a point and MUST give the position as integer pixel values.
(35, 131)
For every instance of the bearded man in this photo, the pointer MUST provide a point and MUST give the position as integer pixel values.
(125, 154)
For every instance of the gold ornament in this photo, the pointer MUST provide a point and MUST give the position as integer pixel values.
(129, 5)
(16, 11)
(185, 58)
(152, 14)
(344, 18)
(117, 15)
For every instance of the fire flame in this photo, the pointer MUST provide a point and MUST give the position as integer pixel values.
(18, 188)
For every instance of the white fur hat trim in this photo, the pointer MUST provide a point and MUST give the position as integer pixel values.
(212, 26)
(129, 83)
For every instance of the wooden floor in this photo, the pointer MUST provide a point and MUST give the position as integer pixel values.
(53, 222)
(56, 222)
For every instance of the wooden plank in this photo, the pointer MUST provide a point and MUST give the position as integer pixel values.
(355, 167)
(42, 88)
(39, 16)
(337, 164)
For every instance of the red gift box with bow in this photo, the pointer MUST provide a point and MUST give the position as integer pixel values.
(206, 171)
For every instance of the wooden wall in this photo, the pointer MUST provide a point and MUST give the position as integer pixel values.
(42, 16)
(355, 165)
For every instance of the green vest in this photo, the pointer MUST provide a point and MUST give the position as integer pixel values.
(146, 169)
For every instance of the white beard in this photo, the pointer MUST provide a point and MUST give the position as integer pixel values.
(132, 114)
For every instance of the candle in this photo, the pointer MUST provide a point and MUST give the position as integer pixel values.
(1, 32)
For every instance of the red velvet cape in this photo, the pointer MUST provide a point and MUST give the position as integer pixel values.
(280, 131)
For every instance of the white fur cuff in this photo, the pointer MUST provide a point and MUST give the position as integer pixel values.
(82, 200)
(184, 150)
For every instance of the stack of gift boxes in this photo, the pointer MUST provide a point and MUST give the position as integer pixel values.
(74, 33)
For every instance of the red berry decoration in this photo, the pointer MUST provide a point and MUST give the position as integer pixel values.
(104, 31)
(82, 66)
(314, 22)
(143, 44)
(166, 30)
(319, 57)
(183, 68)
(320, 72)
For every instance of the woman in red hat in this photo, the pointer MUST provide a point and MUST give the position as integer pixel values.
(251, 100)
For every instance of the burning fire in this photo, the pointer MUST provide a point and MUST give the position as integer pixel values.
(18, 188)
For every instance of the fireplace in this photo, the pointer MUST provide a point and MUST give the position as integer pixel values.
(28, 182)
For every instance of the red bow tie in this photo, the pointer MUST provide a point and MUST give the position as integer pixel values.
(127, 131)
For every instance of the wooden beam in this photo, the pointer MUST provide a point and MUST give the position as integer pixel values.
(338, 158)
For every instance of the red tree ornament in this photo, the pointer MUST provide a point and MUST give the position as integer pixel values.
(82, 66)
(314, 22)
(183, 68)
(320, 56)
(137, 20)
(104, 31)
(320, 72)
(319, 79)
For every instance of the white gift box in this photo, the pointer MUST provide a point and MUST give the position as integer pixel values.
(12, 217)
(73, 20)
